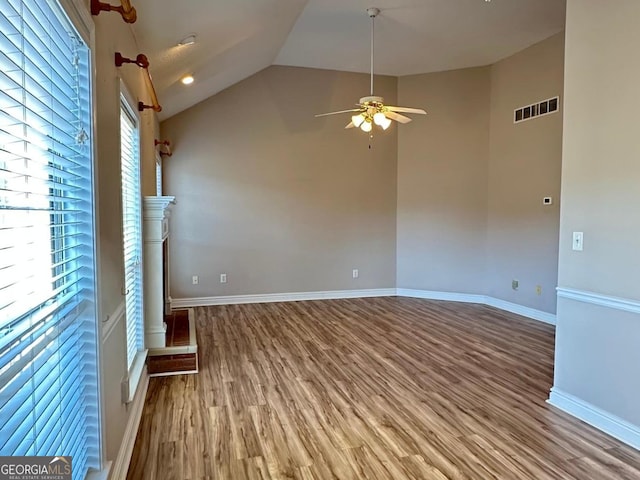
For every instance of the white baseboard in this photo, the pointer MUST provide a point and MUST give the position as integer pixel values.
(121, 464)
(528, 312)
(377, 292)
(596, 417)
(446, 296)
(280, 297)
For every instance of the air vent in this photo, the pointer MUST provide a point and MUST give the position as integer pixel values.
(539, 109)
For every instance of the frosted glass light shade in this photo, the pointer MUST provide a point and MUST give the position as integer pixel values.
(379, 119)
(386, 123)
(366, 126)
(357, 120)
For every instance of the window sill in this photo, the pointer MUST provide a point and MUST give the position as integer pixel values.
(99, 474)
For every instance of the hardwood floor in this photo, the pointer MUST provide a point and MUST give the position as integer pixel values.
(382, 388)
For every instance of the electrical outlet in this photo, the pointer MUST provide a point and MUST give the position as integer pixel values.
(223, 278)
(539, 289)
(195, 280)
(515, 284)
(355, 273)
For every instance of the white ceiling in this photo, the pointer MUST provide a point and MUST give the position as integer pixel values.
(237, 38)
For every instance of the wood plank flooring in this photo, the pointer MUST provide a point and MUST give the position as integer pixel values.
(382, 388)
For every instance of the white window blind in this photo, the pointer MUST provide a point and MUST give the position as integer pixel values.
(158, 175)
(131, 229)
(48, 367)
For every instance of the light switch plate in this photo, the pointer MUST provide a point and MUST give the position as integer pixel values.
(578, 241)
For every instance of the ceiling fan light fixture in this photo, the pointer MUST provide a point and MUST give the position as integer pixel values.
(372, 109)
(357, 120)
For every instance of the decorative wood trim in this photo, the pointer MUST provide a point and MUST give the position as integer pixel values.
(112, 320)
(157, 208)
(121, 463)
(596, 417)
(280, 297)
(155, 217)
(617, 303)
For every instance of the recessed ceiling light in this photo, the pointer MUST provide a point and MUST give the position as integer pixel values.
(187, 79)
(188, 40)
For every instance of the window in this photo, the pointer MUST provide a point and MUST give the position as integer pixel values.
(48, 367)
(132, 240)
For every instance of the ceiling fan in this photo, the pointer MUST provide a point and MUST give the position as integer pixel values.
(372, 110)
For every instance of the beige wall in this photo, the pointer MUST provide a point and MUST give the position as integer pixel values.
(597, 346)
(525, 166)
(471, 183)
(278, 200)
(112, 35)
(601, 149)
(295, 203)
(442, 182)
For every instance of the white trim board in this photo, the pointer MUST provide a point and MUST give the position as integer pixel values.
(528, 312)
(617, 303)
(379, 292)
(100, 474)
(446, 296)
(121, 464)
(280, 297)
(112, 320)
(596, 417)
(173, 374)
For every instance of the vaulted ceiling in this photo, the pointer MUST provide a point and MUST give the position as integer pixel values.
(237, 38)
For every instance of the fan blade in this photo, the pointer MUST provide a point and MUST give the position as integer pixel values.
(406, 110)
(397, 117)
(337, 113)
(350, 125)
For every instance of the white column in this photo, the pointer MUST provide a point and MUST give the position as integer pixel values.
(156, 231)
